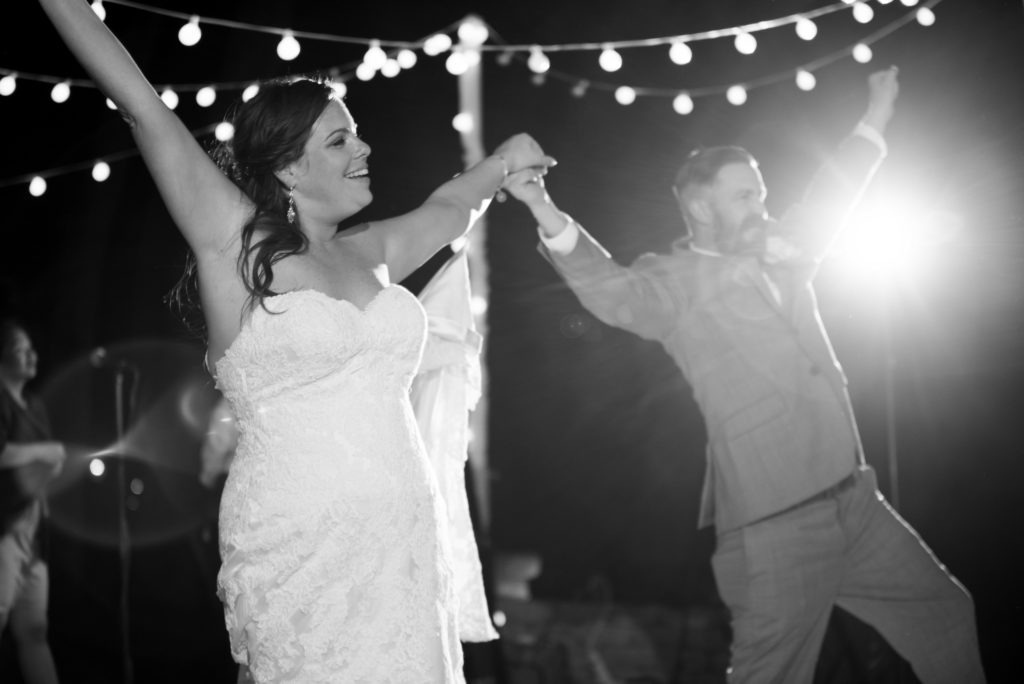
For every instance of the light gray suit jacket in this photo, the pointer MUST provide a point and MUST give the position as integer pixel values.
(774, 398)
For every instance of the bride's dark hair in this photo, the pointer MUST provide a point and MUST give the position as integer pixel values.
(270, 132)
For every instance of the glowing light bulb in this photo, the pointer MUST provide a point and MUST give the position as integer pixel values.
(682, 103)
(884, 2)
(805, 80)
(863, 13)
(390, 69)
(61, 92)
(538, 62)
(610, 59)
(909, 3)
(456, 64)
(625, 95)
(406, 58)
(206, 96)
(224, 131)
(97, 467)
(925, 16)
(7, 84)
(806, 29)
(99, 9)
(746, 43)
(436, 44)
(472, 32)
(190, 33)
(477, 305)
(862, 53)
(463, 122)
(680, 53)
(375, 56)
(289, 48)
(37, 186)
(250, 92)
(170, 98)
(364, 72)
(736, 95)
(100, 171)
(111, 105)
(580, 89)
(339, 88)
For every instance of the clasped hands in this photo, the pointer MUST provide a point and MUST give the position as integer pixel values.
(527, 165)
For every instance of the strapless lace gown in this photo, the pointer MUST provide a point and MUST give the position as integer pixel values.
(334, 559)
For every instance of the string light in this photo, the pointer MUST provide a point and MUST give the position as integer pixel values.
(463, 122)
(746, 43)
(190, 33)
(436, 44)
(457, 64)
(505, 57)
(111, 105)
(680, 53)
(863, 13)
(61, 92)
(682, 103)
(472, 32)
(170, 98)
(805, 80)
(8, 84)
(862, 53)
(806, 29)
(37, 186)
(289, 48)
(364, 72)
(101, 171)
(224, 131)
(206, 96)
(925, 17)
(99, 9)
(625, 95)
(909, 3)
(610, 60)
(580, 89)
(736, 95)
(339, 88)
(538, 61)
(250, 92)
(406, 58)
(390, 69)
(375, 56)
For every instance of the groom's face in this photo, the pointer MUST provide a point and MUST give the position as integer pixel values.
(738, 211)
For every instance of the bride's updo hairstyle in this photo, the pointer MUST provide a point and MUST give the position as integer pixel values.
(270, 132)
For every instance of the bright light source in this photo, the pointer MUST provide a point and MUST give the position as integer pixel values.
(499, 619)
(863, 13)
(736, 95)
(477, 305)
(7, 84)
(538, 62)
(909, 3)
(436, 44)
(746, 44)
(339, 88)
(111, 105)
(206, 96)
(682, 103)
(190, 33)
(805, 80)
(473, 32)
(99, 9)
(390, 69)
(374, 57)
(680, 53)
(610, 60)
(406, 58)
(806, 29)
(61, 92)
(37, 186)
(625, 95)
(289, 48)
(862, 53)
(97, 467)
(170, 98)
(364, 72)
(250, 92)
(457, 64)
(463, 122)
(925, 16)
(101, 171)
(224, 131)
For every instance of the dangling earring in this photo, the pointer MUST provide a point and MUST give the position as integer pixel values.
(290, 215)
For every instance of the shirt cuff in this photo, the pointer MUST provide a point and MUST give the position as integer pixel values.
(564, 242)
(866, 131)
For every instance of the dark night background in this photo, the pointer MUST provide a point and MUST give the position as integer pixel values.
(596, 446)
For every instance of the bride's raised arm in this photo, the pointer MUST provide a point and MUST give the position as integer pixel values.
(205, 205)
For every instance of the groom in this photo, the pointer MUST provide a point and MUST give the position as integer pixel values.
(801, 526)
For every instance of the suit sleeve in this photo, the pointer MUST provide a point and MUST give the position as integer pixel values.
(640, 298)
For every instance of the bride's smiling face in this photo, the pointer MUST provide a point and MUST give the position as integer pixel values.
(332, 178)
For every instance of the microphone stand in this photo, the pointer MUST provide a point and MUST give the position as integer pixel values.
(124, 404)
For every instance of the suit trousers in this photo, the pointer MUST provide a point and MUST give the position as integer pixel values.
(780, 577)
